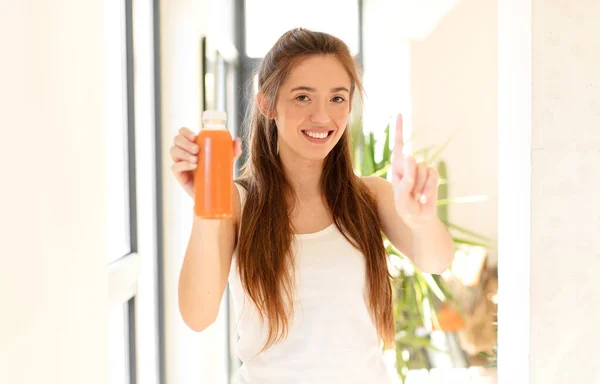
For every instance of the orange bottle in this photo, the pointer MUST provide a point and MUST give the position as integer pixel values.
(213, 177)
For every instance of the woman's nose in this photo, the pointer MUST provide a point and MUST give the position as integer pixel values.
(319, 114)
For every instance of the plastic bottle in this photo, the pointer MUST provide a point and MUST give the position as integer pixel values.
(213, 177)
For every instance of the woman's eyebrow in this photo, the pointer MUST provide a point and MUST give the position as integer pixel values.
(311, 89)
(338, 89)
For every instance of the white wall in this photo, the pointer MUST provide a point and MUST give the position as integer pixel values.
(453, 82)
(190, 357)
(549, 151)
(565, 177)
(53, 279)
(386, 79)
(443, 80)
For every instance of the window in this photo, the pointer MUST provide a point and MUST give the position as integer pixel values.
(131, 184)
(118, 353)
(116, 130)
(120, 188)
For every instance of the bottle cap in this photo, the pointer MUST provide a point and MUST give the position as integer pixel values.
(214, 115)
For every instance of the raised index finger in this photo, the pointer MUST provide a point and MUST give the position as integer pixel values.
(399, 140)
(398, 152)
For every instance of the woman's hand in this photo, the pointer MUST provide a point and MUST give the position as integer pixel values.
(184, 154)
(415, 185)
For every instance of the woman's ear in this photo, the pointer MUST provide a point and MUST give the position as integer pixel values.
(263, 106)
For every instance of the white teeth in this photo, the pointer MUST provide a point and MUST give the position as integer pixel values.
(320, 135)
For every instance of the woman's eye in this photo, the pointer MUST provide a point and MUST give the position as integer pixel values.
(302, 98)
(338, 99)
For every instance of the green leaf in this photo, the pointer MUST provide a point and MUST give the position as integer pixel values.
(434, 286)
(405, 291)
(423, 152)
(411, 340)
(467, 232)
(356, 140)
(442, 286)
(418, 298)
(474, 243)
(442, 210)
(383, 171)
(427, 309)
(368, 161)
(434, 317)
(387, 152)
(431, 158)
(462, 200)
(390, 249)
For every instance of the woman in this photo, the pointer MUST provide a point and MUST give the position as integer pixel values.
(303, 252)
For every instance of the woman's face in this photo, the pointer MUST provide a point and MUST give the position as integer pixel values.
(312, 107)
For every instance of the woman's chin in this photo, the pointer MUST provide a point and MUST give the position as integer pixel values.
(312, 152)
(316, 154)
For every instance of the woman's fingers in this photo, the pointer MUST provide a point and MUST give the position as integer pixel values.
(179, 154)
(237, 148)
(183, 141)
(182, 166)
(186, 150)
(187, 133)
(420, 180)
(404, 180)
(431, 185)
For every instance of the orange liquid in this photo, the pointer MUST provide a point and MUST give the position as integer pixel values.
(213, 178)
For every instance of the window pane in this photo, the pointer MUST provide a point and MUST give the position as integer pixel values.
(118, 337)
(115, 123)
(337, 17)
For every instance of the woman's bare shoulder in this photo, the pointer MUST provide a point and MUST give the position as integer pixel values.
(375, 184)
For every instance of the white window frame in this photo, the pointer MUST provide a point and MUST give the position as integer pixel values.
(134, 279)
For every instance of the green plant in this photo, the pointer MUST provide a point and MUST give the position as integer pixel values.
(417, 296)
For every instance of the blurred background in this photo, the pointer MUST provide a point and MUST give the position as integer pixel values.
(95, 227)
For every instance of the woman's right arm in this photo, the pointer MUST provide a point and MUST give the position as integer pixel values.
(206, 266)
(205, 270)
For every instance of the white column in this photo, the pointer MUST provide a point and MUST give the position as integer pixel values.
(549, 114)
(514, 190)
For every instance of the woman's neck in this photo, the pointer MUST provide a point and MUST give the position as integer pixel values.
(303, 175)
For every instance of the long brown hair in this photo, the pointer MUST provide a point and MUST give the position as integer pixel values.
(265, 265)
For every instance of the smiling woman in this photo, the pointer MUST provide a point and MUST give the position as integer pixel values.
(299, 179)
(302, 221)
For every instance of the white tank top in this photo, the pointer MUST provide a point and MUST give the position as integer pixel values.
(332, 337)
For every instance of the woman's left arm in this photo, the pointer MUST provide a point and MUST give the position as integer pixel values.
(407, 208)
